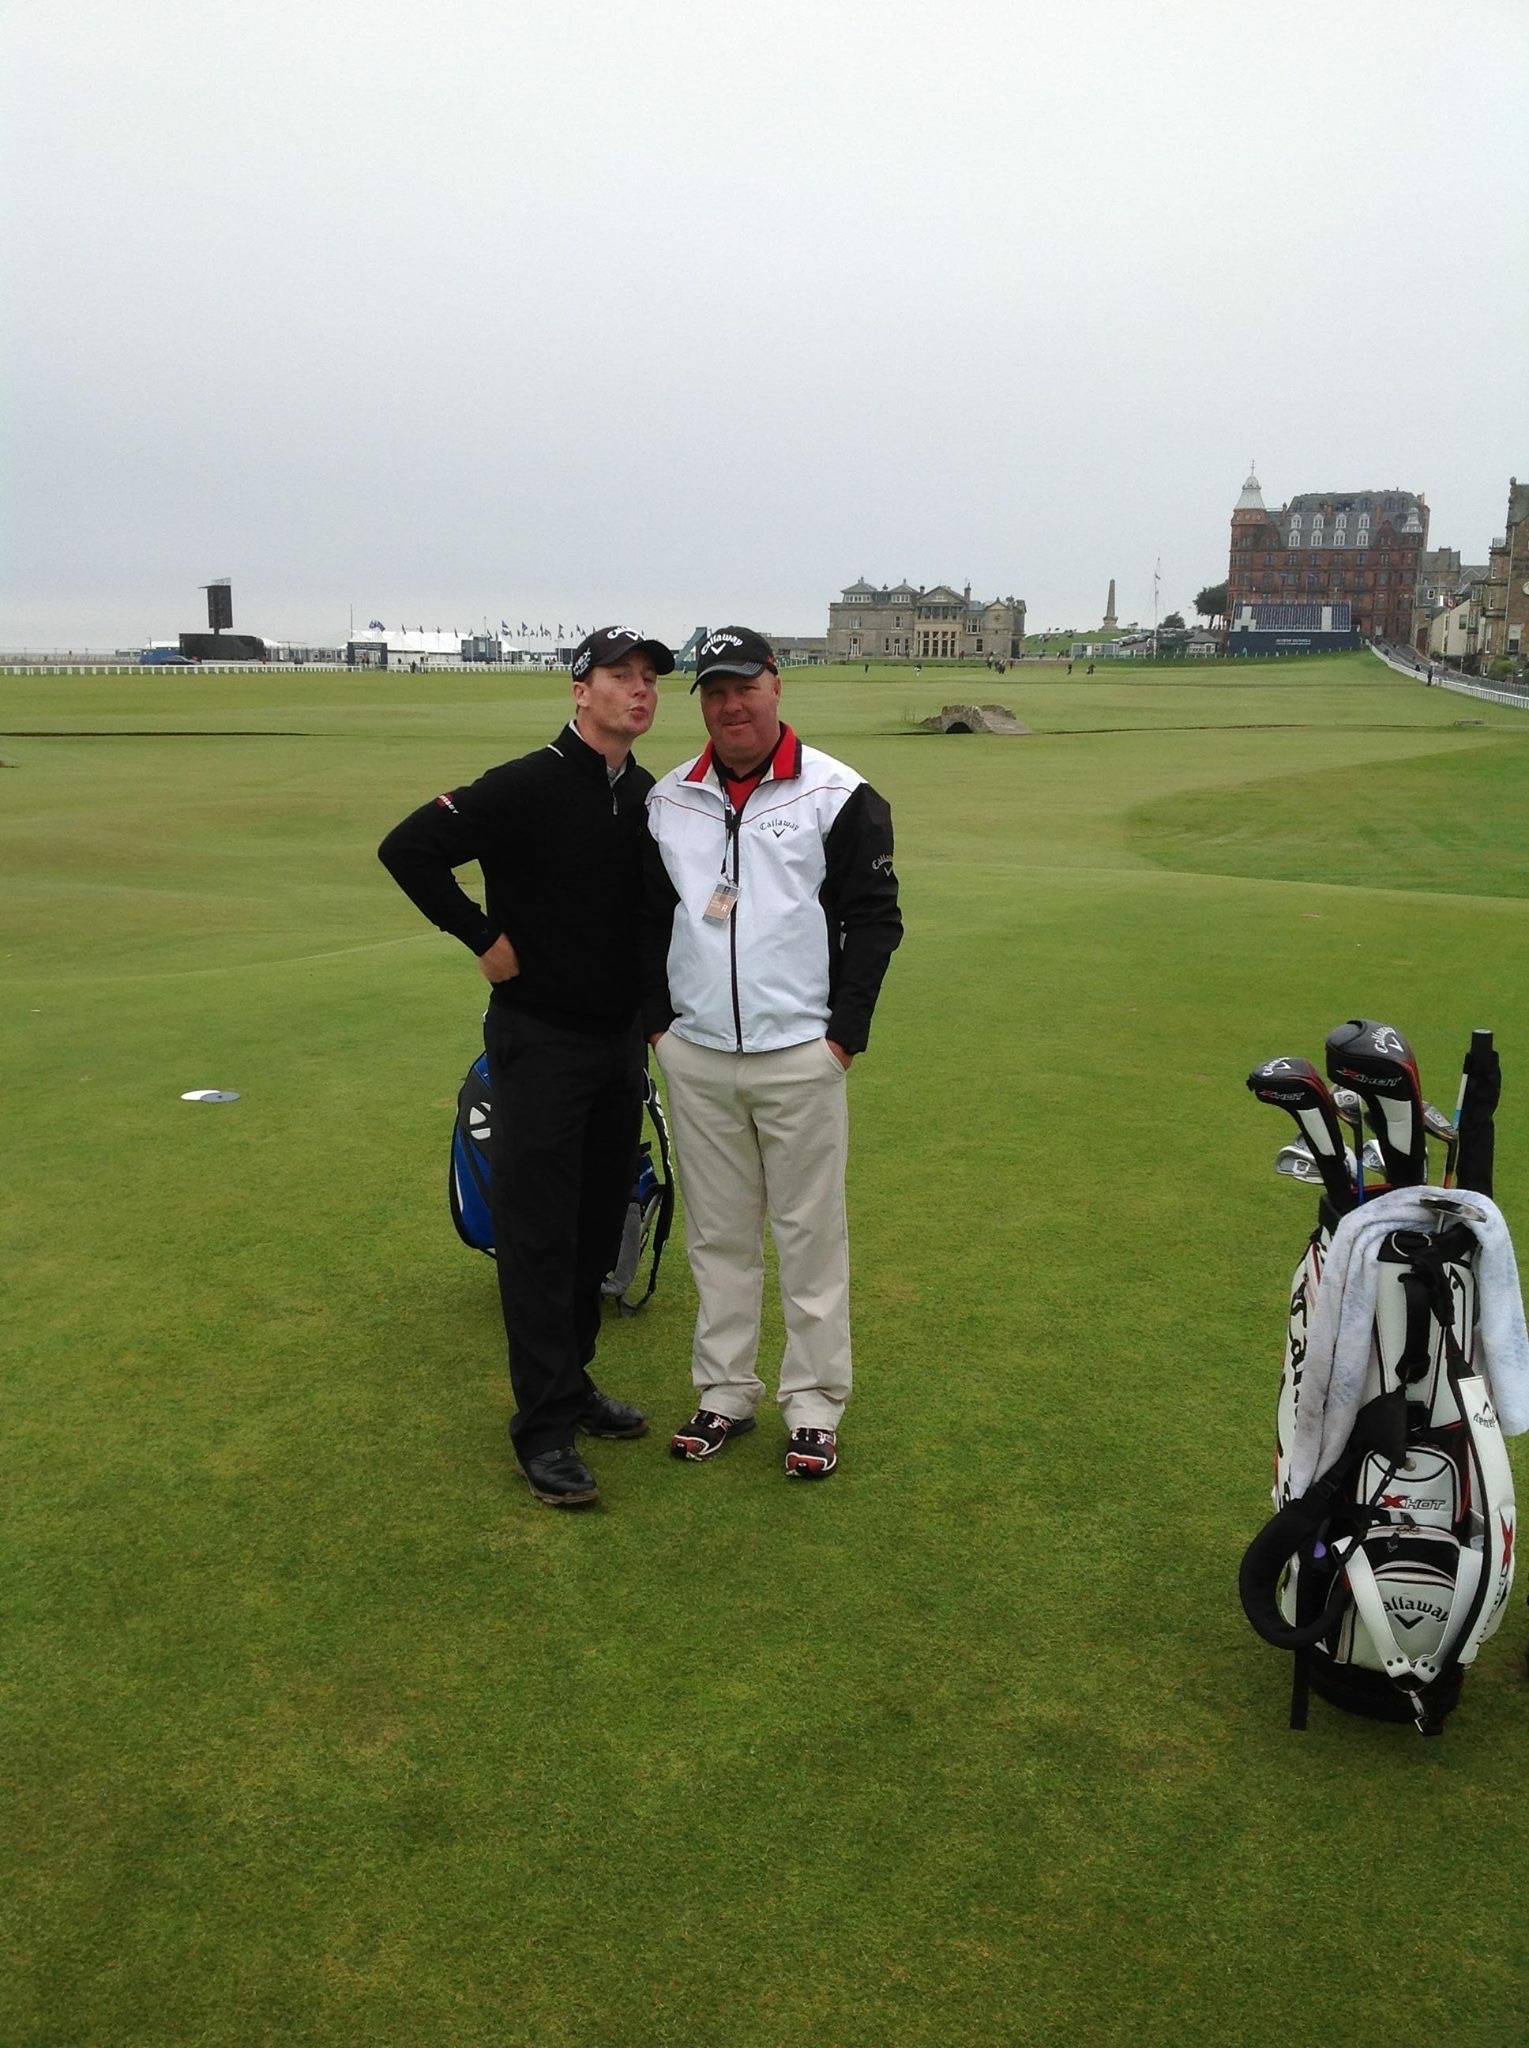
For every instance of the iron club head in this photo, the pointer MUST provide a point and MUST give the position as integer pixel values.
(1294, 1085)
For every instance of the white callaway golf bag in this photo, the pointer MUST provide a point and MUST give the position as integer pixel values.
(1388, 1571)
(1387, 1575)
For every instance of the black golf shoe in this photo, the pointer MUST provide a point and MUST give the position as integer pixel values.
(601, 1416)
(706, 1433)
(560, 1478)
(812, 1454)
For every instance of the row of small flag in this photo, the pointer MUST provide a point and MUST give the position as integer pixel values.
(526, 632)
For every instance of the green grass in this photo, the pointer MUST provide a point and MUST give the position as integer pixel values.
(317, 1732)
(1062, 639)
(1444, 824)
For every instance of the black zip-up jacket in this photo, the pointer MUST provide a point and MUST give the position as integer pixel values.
(560, 847)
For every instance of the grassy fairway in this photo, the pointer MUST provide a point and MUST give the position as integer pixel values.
(319, 1733)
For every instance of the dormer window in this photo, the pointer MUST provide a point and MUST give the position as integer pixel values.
(1364, 519)
(1295, 537)
(1295, 521)
(1343, 519)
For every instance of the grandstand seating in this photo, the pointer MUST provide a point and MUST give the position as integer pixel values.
(1301, 618)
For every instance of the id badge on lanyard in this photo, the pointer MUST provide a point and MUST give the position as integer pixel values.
(724, 895)
(723, 898)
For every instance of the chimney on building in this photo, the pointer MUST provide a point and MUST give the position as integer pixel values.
(967, 593)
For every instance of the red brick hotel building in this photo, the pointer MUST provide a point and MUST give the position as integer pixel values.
(1326, 548)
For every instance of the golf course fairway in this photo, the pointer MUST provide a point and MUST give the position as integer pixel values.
(318, 1731)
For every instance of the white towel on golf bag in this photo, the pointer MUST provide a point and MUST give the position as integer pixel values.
(1338, 1347)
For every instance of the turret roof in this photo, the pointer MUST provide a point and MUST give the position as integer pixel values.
(1252, 499)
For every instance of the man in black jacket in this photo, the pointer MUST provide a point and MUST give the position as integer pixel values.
(558, 835)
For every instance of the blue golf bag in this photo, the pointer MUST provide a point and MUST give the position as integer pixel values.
(650, 1211)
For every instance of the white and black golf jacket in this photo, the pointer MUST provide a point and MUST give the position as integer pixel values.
(803, 949)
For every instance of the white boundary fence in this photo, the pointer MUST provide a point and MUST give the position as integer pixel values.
(267, 668)
(1445, 679)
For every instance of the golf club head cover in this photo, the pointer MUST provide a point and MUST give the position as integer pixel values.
(1294, 1085)
(1378, 1064)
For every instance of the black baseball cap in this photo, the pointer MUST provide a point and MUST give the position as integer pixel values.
(614, 643)
(732, 651)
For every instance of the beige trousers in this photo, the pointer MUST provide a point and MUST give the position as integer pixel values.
(761, 1134)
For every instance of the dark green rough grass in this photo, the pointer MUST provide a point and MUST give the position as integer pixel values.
(319, 1732)
(1444, 823)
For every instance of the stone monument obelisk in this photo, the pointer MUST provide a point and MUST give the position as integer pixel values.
(1110, 621)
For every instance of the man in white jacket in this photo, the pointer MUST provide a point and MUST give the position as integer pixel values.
(770, 917)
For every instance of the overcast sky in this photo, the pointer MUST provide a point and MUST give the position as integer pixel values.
(681, 312)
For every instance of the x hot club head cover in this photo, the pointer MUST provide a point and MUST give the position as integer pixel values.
(1295, 1086)
(1378, 1064)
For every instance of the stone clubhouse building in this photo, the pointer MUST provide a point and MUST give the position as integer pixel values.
(901, 622)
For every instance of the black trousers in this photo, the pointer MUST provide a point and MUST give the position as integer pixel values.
(567, 1118)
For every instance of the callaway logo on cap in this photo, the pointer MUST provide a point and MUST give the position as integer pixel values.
(614, 643)
(733, 651)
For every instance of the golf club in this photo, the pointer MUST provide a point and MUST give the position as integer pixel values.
(1349, 1108)
(1295, 1086)
(1296, 1163)
(1437, 1125)
(1287, 1156)
(1443, 1132)
(1377, 1062)
(1351, 1111)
